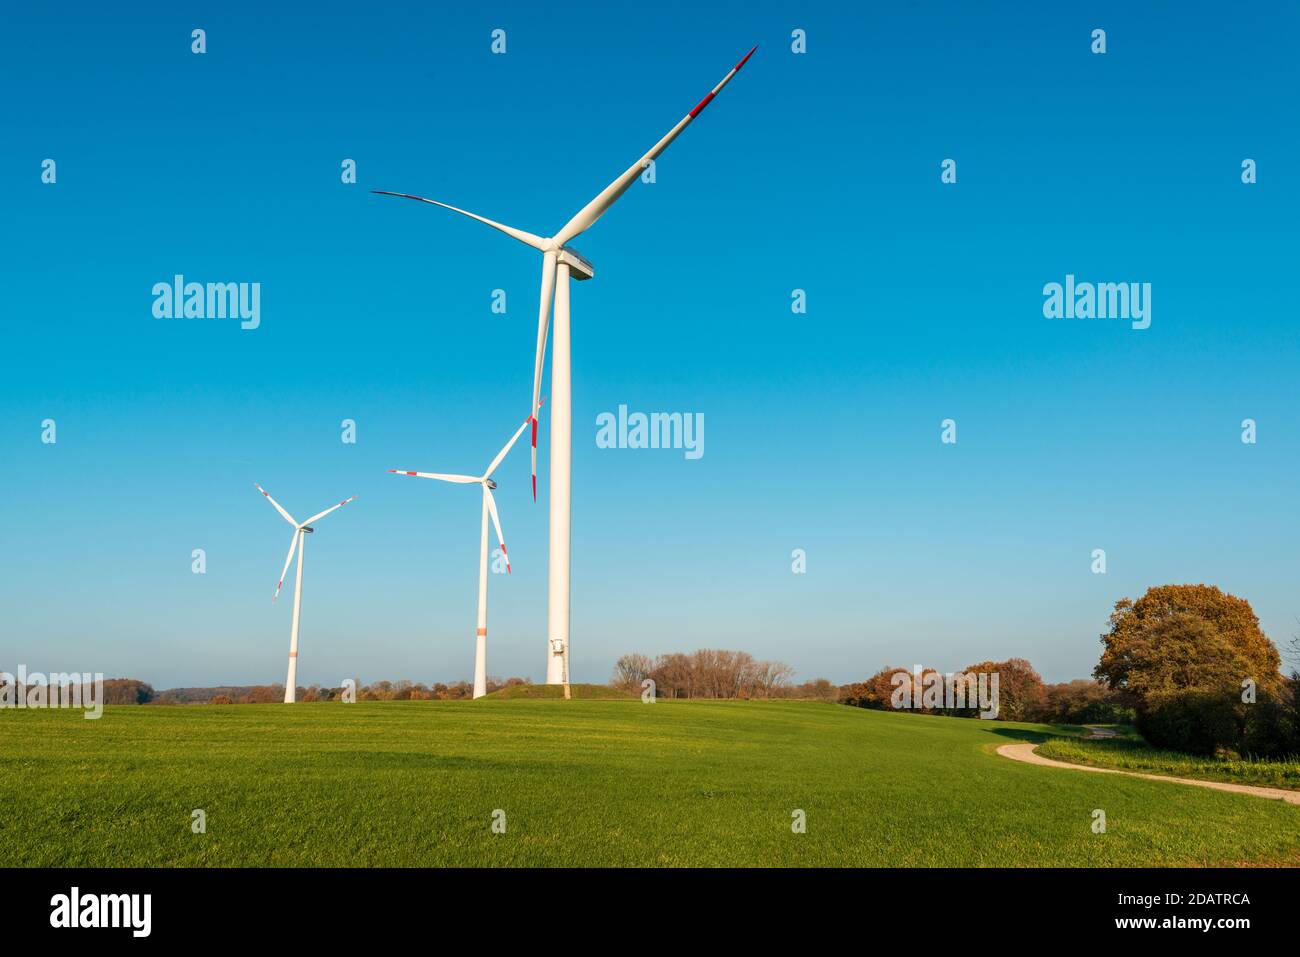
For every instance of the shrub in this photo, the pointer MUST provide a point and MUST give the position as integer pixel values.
(1196, 722)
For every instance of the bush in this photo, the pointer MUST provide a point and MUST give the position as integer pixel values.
(1272, 730)
(1219, 722)
(1196, 722)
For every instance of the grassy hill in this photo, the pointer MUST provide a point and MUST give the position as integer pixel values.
(586, 692)
(586, 782)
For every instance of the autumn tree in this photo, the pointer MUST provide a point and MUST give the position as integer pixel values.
(1198, 670)
(1020, 687)
(876, 692)
(1143, 653)
(819, 689)
(128, 691)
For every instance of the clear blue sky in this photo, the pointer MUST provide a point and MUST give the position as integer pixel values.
(817, 171)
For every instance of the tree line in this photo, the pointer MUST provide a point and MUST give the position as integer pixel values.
(133, 691)
(1022, 695)
(716, 673)
(1189, 665)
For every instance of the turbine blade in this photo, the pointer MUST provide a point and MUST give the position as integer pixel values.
(543, 324)
(459, 479)
(287, 517)
(492, 510)
(607, 197)
(320, 515)
(524, 237)
(293, 547)
(507, 447)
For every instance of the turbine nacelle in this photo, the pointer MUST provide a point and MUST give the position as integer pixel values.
(580, 268)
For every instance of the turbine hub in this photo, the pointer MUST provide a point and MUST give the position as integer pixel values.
(490, 484)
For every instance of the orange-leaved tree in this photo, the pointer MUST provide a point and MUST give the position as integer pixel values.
(1185, 636)
(1195, 665)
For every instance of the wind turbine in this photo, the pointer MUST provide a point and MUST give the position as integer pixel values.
(296, 544)
(489, 509)
(560, 263)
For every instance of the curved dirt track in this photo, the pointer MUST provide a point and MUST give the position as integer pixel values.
(1025, 752)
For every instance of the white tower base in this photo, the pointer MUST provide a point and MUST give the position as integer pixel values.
(291, 682)
(557, 607)
(480, 639)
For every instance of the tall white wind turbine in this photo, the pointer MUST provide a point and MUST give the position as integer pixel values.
(296, 544)
(560, 263)
(489, 509)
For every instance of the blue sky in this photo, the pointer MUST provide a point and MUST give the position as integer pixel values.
(818, 171)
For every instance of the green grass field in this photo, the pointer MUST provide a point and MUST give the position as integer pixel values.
(1137, 755)
(521, 692)
(586, 782)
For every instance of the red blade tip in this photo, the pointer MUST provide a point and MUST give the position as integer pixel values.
(747, 56)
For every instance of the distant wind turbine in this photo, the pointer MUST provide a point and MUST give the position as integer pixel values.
(297, 544)
(489, 509)
(560, 263)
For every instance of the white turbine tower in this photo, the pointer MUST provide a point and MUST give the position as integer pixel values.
(560, 263)
(296, 544)
(489, 509)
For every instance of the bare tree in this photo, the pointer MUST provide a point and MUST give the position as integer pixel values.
(630, 671)
(773, 677)
(705, 673)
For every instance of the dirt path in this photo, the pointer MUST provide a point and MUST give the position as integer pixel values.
(1100, 733)
(1025, 752)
